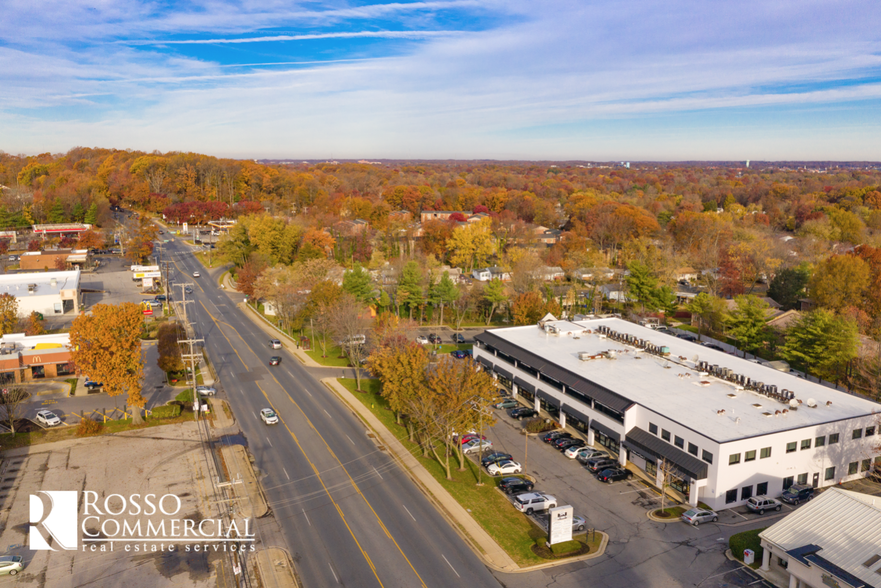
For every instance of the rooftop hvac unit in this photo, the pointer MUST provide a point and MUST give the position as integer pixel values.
(665, 350)
(585, 355)
(773, 389)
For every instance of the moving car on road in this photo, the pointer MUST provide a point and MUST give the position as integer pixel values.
(197, 275)
(504, 468)
(696, 516)
(268, 415)
(275, 360)
(48, 418)
(275, 344)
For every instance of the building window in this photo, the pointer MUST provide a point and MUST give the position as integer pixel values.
(665, 435)
(692, 449)
(679, 442)
(750, 455)
(762, 489)
(833, 438)
(870, 431)
(766, 452)
(820, 441)
(853, 467)
(867, 463)
(857, 434)
(790, 447)
(830, 474)
(746, 492)
(803, 478)
(734, 458)
(787, 482)
(806, 444)
(731, 496)
(653, 428)
(707, 456)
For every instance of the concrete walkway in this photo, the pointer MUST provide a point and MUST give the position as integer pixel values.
(273, 566)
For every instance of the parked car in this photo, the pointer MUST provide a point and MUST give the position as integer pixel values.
(599, 464)
(268, 415)
(14, 258)
(614, 475)
(10, 565)
(760, 504)
(577, 452)
(516, 485)
(696, 516)
(458, 338)
(494, 457)
(92, 384)
(48, 418)
(206, 390)
(588, 453)
(521, 413)
(275, 360)
(506, 403)
(160, 297)
(687, 337)
(460, 354)
(534, 501)
(422, 340)
(561, 440)
(504, 468)
(275, 344)
(578, 523)
(713, 346)
(555, 434)
(567, 443)
(155, 304)
(476, 445)
(434, 339)
(797, 493)
(470, 437)
(197, 275)
(665, 330)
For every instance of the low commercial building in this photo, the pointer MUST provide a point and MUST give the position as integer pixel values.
(49, 293)
(23, 358)
(834, 540)
(729, 428)
(46, 260)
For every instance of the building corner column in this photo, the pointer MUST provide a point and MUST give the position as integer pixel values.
(766, 559)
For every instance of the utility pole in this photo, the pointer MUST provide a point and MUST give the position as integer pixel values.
(191, 357)
(183, 299)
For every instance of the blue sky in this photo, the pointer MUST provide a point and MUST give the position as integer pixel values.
(513, 79)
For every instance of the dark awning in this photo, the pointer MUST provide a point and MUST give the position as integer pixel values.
(521, 383)
(564, 376)
(645, 442)
(548, 398)
(504, 373)
(595, 424)
(574, 412)
(486, 362)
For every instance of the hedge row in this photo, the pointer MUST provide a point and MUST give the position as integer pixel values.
(166, 412)
(746, 540)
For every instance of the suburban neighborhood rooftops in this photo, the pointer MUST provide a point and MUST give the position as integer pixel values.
(673, 385)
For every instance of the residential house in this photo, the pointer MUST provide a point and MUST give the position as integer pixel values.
(490, 273)
(428, 215)
(551, 273)
(546, 235)
(685, 274)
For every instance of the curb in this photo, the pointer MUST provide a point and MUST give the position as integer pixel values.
(304, 359)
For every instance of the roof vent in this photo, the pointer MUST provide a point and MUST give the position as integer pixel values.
(793, 404)
(811, 403)
(828, 403)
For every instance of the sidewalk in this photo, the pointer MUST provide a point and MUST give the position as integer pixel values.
(273, 566)
(273, 332)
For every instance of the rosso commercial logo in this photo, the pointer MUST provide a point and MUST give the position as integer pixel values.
(54, 518)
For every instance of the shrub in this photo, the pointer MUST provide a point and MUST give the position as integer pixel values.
(169, 411)
(185, 396)
(538, 425)
(88, 427)
(746, 540)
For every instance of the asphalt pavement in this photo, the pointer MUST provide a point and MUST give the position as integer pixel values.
(348, 514)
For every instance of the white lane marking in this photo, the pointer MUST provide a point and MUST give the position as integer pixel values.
(378, 474)
(334, 573)
(451, 565)
(411, 515)
(327, 413)
(350, 439)
(307, 392)
(268, 441)
(307, 517)
(286, 474)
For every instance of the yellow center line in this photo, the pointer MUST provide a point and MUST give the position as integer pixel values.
(297, 441)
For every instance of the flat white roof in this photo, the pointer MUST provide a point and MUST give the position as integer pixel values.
(17, 284)
(673, 388)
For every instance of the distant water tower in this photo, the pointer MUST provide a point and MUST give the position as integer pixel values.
(747, 163)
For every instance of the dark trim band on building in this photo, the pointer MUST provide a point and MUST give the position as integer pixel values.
(504, 373)
(574, 412)
(521, 383)
(486, 363)
(646, 443)
(548, 398)
(609, 432)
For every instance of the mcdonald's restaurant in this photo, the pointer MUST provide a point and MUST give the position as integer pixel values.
(27, 359)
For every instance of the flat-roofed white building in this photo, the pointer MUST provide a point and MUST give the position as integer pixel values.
(731, 428)
(49, 293)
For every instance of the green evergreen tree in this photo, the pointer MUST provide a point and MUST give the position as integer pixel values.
(664, 299)
(56, 213)
(494, 294)
(822, 343)
(91, 217)
(443, 293)
(357, 283)
(747, 323)
(641, 283)
(410, 287)
(709, 311)
(788, 286)
(78, 212)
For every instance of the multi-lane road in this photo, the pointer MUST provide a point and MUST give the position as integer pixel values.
(347, 512)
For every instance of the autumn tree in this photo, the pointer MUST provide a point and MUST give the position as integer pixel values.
(170, 359)
(350, 323)
(34, 325)
(747, 323)
(840, 281)
(106, 345)
(320, 308)
(247, 275)
(528, 308)
(400, 367)
(821, 343)
(90, 240)
(8, 314)
(471, 245)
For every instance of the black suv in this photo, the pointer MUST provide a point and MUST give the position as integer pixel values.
(557, 434)
(515, 485)
(797, 493)
(494, 457)
(434, 339)
(521, 413)
(599, 464)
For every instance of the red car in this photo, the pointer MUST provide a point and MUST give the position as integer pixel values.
(274, 360)
(467, 438)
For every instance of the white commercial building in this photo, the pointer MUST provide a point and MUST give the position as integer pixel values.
(835, 540)
(49, 293)
(731, 428)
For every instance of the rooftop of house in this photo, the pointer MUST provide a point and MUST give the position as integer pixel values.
(674, 386)
(39, 283)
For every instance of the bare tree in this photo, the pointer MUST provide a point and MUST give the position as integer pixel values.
(350, 322)
(667, 472)
(11, 409)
